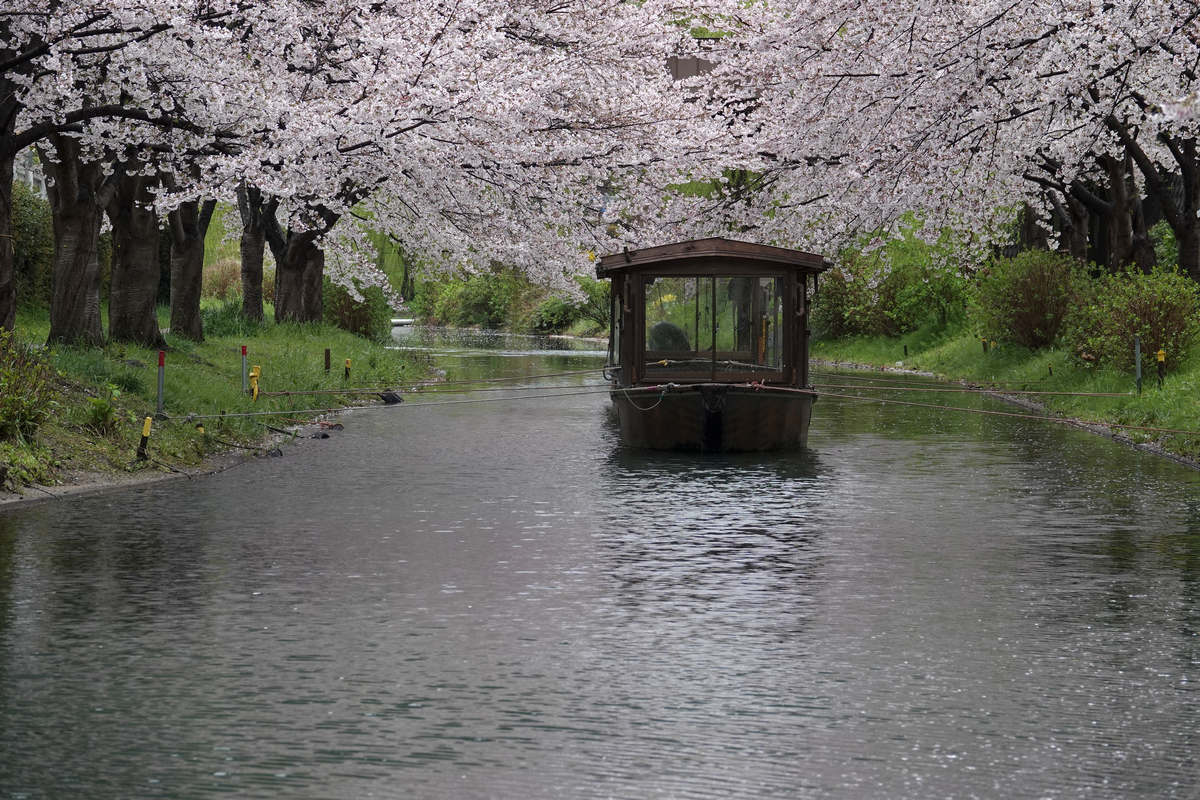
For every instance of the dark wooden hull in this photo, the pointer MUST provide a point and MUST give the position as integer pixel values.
(714, 418)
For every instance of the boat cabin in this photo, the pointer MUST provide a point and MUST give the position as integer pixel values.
(711, 310)
(710, 313)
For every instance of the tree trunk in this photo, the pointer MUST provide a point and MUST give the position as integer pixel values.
(133, 294)
(1118, 222)
(1187, 231)
(8, 284)
(1072, 217)
(298, 277)
(1188, 239)
(1180, 211)
(1031, 235)
(189, 224)
(253, 244)
(1142, 246)
(9, 108)
(78, 193)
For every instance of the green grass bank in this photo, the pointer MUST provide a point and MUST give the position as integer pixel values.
(958, 355)
(99, 397)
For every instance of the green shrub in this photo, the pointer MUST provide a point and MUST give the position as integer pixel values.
(553, 315)
(33, 246)
(831, 313)
(1166, 248)
(1025, 299)
(370, 317)
(904, 285)
(1162, 307)
(26, 390)
(597, 301)
(102, 413)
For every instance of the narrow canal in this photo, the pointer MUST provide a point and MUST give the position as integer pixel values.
(496, 599)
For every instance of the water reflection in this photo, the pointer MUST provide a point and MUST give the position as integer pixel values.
(501, 600)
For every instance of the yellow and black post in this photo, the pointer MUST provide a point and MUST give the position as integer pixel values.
(347, 375)
(141, 451)
(255, 374)
(1162, 365)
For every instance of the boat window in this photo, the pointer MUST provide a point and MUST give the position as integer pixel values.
(749, 320)
(713, 328)
(617, 323)
(679, 326)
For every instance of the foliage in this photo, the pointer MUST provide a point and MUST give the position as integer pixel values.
(1166, 247)
(1025, 299)
(370, 317)
(33, 245)
(26, 391)
(896, 288)
(1162, 307)
(103, 414)
(596, 304)
(553, 315)
(484, 299)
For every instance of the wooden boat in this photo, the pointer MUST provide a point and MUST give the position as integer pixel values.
(709, 345)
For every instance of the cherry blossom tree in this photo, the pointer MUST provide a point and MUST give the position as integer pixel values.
(474, 132)
(82, 79)
(961, 111)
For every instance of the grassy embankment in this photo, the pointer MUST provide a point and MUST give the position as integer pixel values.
(959, 355)
(102, 395)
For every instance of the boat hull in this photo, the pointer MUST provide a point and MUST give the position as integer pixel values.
(714, 418)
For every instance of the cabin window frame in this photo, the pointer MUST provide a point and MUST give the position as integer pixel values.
(635, 345)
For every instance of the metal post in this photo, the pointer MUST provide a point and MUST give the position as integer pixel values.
(245, 376)
(1137, 361)
(327, 359)
(162, 368)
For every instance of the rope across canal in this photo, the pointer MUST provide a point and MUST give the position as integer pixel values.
(542, 391)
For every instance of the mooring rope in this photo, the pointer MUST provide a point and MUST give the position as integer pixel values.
(337, 409)
(968, 390)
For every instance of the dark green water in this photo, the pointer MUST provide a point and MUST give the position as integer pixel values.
(498, 600)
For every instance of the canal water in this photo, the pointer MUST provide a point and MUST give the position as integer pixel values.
(496, 599)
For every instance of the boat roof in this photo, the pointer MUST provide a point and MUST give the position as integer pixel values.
(710, 253)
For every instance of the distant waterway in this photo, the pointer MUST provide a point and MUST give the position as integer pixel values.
(497, 599)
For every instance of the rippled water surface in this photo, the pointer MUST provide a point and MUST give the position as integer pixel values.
(496, 599)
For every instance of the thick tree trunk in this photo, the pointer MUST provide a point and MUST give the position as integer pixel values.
(298, 277)
(1075, 228)
(1031, 235)
(1118, 222)
(8, 284)
(1188, 239)
(78, 193)
(253, 245)
(1187, 229)
(189, 224)
(9, 108)
(1180, 211)
(133, 294)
